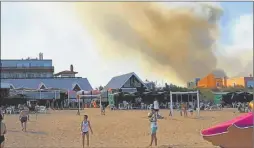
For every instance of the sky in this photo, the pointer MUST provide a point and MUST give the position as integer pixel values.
(54, 29)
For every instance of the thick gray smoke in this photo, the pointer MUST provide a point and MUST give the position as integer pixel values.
(176, 43)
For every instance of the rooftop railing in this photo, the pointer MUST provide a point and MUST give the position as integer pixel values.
(27, 67)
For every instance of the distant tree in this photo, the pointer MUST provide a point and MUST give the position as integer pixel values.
(206, 94)
(166, 87)
(101, 88)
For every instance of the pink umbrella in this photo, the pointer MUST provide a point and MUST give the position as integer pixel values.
(236, 133)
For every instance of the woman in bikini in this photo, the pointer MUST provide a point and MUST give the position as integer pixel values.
(23, 117)
(85, 126)
(2, 131)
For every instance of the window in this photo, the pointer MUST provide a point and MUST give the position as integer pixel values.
(44, 75)
(43, 87)
(30, 75)
(12, 87)
(19, 65)
(76, 88)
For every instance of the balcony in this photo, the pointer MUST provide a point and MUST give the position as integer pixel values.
(28, 69)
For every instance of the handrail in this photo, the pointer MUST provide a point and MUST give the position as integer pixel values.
(28, 67)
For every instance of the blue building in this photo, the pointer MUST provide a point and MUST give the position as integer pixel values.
(27, 68)
(35, 78)
(250, 83)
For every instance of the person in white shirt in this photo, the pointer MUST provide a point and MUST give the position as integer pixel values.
(156, 106)
(85, 126)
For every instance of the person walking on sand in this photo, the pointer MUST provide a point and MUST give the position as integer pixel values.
(156, 106)
(27, 110)
(103, 112)
(85, 126)
(2, 131)
(23, 117)
(154, 127)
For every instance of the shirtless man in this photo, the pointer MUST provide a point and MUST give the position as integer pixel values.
(23, 117)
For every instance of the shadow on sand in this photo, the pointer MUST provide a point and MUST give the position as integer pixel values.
(31, 132)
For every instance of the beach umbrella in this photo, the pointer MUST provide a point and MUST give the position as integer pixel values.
(236, 133)
(251, 105)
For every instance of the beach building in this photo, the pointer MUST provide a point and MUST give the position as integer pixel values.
(126, 83)
(250, 84)
(129, 82)
(240, 81)
(216, 79)
(35, 79)
(4, 90)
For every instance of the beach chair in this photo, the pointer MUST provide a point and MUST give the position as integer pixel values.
(9, 110)
(42, 109)
(149, 107)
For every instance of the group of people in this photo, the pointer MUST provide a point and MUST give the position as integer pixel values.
(23, 117)
(86, 124)
(184, 110)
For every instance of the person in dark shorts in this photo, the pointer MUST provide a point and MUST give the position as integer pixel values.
(23, 117)
(156, 106)
(103, 109)
(2, 131)
(154, 126)
(85, 127)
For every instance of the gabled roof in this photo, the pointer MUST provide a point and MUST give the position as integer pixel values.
(42, 86)
(76, 87)
(60, 83)
(117, 82)
(5, 85)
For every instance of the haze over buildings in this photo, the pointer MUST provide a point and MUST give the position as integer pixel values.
(59, 31)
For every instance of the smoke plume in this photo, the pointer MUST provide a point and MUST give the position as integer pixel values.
(176, 43)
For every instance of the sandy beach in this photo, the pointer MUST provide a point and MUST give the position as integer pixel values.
(116, 129)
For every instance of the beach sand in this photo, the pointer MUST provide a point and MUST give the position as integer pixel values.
(115, 129)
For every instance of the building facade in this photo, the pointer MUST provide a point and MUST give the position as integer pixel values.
(239, 81)
(35, 78)
(129, 82)
(212, 81)
(250, 84)
(27, 68)
(207, 82)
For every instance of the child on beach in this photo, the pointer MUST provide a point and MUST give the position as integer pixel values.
(85, 126)
(154, 127)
